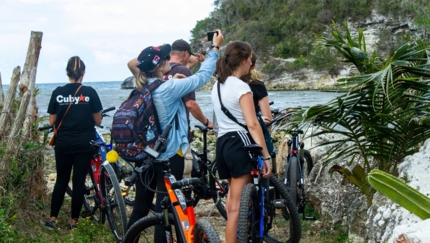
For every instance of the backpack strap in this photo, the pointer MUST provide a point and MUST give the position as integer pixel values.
(227, 112)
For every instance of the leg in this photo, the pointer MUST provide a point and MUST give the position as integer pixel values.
(81, 163)
(233, 205)
(177, 168)
(144, 196)
(63, 164)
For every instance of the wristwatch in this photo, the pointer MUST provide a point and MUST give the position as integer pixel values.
(207, 122)
(267, 158)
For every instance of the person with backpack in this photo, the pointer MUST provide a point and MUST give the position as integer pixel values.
(74, 110)
(148, 68)
(179, 59)
(237, 126)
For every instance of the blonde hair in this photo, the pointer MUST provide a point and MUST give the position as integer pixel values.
(141, 80)
(142, 77)
(255, 75)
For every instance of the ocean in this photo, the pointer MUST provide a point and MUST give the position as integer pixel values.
(111, 94)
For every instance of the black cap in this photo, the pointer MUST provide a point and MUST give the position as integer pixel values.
(181, 45)
(151, 56)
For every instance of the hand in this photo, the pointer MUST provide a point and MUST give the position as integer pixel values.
(210, 125)
(179, 76)
(266, 119)
(218, 38)
(200, 57)
(267, 168)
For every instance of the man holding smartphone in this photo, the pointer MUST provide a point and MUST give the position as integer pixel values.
(179, 59)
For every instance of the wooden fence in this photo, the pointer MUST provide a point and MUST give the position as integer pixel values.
(18, 107)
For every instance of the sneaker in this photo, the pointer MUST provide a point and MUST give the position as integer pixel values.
(51, 225)
(72, 227)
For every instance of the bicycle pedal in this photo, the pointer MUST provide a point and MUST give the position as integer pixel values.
(278, 203)
(86, 214)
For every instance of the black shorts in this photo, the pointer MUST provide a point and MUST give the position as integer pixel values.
(232, 160)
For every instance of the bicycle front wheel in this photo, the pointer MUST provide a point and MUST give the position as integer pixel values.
(114, 202)
(144, 230)
(219, 188)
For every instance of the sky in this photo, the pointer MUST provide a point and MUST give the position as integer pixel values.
(106, 34)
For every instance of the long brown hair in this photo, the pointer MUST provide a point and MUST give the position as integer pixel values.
(75, 68)
(234, 54)
(247, 78)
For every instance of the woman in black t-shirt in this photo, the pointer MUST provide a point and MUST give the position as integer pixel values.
(261, 101)
(72, 146)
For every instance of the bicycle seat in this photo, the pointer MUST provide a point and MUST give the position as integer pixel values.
(252, 148)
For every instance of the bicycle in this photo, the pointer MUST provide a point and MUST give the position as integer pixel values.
(293, 170)
(103, 195)
(205, 169)
(177, 206)
(260, 218)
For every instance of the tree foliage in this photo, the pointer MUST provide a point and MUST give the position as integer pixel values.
(287, 28)
(385, 115)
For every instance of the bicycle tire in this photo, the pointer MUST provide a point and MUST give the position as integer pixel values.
(292, 178)
(91, 203)
(143, 230)
(248, 213)
(114, 202)
(220, 186)
(309, 162)
(295, 229)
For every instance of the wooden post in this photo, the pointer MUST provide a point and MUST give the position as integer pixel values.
(1, 92)
(30, 116)
(31, 60)
(10, 97)
(13, 142)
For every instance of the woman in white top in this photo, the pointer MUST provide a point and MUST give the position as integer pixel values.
(234, 164)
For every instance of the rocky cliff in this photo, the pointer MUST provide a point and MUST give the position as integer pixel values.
(307, 78)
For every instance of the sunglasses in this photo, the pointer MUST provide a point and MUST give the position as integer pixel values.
(167, 58)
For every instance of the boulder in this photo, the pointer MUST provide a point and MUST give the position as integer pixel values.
(128, 83)
(386, 219)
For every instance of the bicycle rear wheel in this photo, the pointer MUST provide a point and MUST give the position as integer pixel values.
(292, 174)
(143, 230)
(248, 226)
(114, 202)
(220, 187)
(277, 227)
(91, 202)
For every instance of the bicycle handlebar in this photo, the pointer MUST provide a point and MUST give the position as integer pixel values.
(108, 109)
(45, 128)
(186, 182)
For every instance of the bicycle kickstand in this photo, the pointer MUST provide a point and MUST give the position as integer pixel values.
(218, 200)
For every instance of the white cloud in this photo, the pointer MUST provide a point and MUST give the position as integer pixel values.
(104, 33)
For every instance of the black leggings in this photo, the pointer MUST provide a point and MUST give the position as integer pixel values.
(65, 162)
(153, 178)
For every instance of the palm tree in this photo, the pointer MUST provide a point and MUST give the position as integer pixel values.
(385, 115)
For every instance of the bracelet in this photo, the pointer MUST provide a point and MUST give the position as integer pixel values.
(214, 46)
(267, 158)
(207, 122)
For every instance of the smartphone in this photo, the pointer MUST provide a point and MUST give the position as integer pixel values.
(211, 35)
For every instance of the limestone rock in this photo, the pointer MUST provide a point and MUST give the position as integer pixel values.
(128, 83)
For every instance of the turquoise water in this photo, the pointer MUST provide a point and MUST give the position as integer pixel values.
(111, 94)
